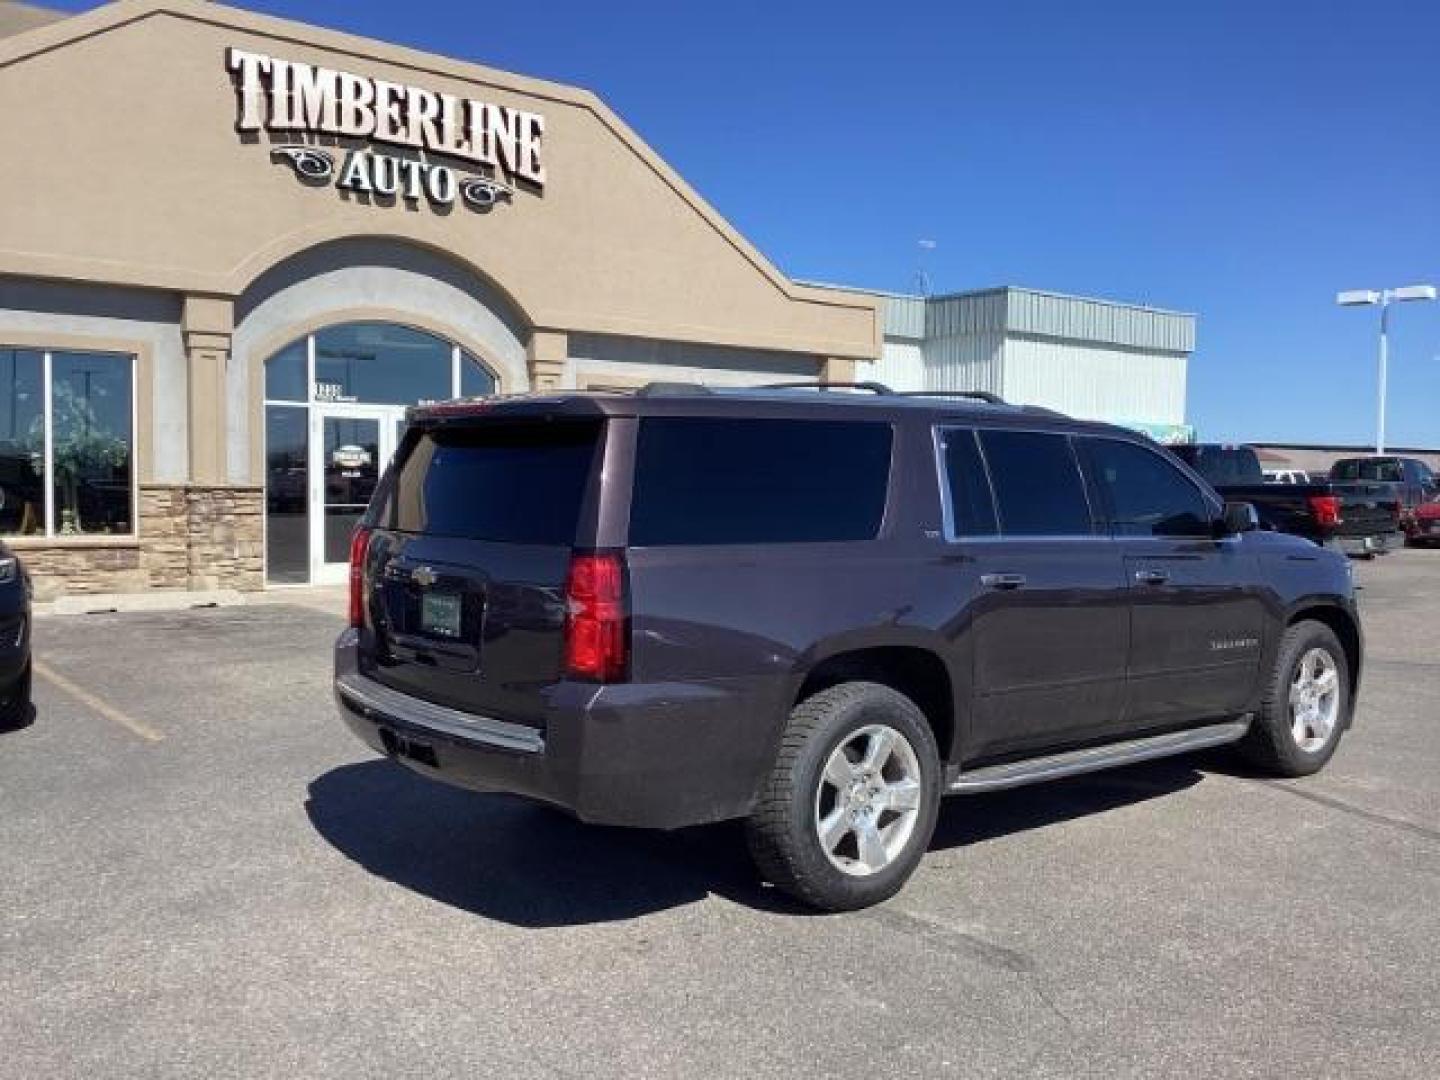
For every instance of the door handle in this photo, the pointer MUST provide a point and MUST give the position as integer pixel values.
(1151, 577)
(1002, 581)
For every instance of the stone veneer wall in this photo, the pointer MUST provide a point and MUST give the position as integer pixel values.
(227, 537)
(191, 537)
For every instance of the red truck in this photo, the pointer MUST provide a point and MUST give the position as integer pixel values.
(1425, 524)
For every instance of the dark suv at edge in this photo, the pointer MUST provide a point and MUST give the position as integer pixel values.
(820, 612)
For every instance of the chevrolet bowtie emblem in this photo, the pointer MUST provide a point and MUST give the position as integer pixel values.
(423, 576)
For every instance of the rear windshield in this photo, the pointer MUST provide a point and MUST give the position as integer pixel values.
(520, 483)
(707, 481)
(1371, 469)
(1224, 466)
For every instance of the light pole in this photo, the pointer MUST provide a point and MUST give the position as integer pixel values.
(1384, 298)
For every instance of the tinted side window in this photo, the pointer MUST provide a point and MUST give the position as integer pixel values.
(1144, 493)
(972, 511)
(1037, 484)
(707, 481)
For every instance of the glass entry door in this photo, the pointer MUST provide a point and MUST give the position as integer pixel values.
(349, 449)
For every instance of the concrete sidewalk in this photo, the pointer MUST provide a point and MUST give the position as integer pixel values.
(327, 598)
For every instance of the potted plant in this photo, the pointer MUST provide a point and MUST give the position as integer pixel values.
(81, 448)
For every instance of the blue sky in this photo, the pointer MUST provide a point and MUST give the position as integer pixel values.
(1241, 160)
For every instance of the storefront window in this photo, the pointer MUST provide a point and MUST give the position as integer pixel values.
(285, 374)
(475, 381)
(22, 442)
(287, 493)
(335, 405)
(374, 364)
(381, 363)
(80, 437)
(91, 443)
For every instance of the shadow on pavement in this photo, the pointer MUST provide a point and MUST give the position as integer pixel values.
(524, 864)
(973, 819)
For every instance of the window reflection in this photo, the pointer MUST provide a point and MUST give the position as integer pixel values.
(287, 473)
(351, 456)
(285, 374)
(382, 363)
(90, 452)
(475, 380)
(22, 442)
(89, 462)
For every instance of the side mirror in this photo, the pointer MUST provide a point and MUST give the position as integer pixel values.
(1239, 517)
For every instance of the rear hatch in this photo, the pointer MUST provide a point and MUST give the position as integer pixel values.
(467, 565)
(1367, 507)
(1370, 494)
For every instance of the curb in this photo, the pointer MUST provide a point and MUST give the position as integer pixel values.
(124, 603)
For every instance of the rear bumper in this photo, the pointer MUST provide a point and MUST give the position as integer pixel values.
(661, 755)
(1377, 544)
(1426, 530)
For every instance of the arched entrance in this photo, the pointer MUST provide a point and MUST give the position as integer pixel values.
(335, 405)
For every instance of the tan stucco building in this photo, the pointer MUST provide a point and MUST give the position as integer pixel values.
(235, 248)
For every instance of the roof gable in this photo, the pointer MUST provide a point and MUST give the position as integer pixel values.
(36, 63)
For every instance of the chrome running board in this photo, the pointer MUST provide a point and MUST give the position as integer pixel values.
(1094, 758)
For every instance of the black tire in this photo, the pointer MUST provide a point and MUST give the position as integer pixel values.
(15, 707)
(782, 832)
(1271, 744)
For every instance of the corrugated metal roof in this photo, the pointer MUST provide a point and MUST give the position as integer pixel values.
(1079, 318)
(1036, 313)
(965, 313)
(904, 316)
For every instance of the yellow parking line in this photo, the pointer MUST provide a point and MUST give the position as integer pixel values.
(108, 711)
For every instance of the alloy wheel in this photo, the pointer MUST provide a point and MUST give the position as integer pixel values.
(1314, 700)
(868, 800)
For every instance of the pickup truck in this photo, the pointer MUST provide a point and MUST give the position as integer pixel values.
(1409, 478)
(1357, 517)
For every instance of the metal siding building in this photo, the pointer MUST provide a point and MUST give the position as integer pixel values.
(1094, 359)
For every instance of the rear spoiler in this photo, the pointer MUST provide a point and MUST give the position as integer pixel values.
(506, 406)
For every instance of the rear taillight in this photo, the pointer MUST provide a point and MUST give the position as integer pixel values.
(596, 641)
(1326, 509)
(359, 545)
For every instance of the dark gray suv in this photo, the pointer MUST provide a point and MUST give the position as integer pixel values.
(821, 612)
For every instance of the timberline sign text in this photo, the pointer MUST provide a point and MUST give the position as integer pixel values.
(284, 96)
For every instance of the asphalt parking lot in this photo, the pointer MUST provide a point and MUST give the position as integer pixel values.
(202, 873)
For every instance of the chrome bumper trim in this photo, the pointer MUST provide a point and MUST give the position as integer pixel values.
(379, 703)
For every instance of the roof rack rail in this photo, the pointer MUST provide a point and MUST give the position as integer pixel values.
(975, 395)
(659, 389)
(873, 387)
